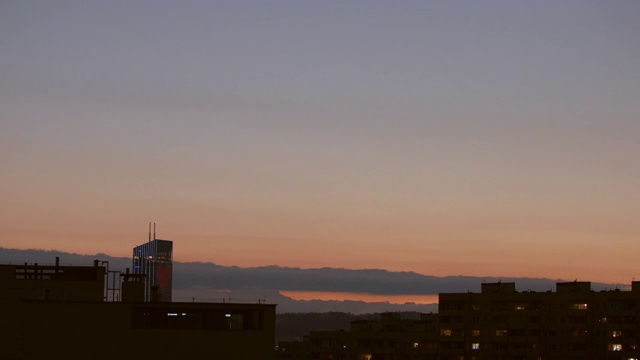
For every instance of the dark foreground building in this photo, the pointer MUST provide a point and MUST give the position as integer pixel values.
(573, 322)
(499, 323)
(391, 337)
(61, 312)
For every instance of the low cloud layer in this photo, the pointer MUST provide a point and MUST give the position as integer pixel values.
(207, 281)
(374, 281)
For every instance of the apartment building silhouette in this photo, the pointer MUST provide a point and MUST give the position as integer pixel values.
(499, 323)
(573, 322)
(72, 312)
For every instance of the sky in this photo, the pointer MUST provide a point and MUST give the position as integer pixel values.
(493, 138)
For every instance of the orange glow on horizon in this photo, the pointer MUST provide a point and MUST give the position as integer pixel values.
(365, 297)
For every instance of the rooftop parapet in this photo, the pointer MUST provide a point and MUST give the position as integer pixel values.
(499, 287)
(574, 286)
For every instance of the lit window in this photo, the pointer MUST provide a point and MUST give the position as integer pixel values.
(475, 332)
(616, 333)
(234, 321)
(445, 332)
(615, 347)
(415, 345)
(475, 346)
(578, 306)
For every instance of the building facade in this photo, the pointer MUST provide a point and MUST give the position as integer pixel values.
(54, 283)
(155, 260)
(61, 312)
(573, 322)
(499, 323)
(389, 338)
(123, 330)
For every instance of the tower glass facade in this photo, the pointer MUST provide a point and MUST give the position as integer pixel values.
(154, 259)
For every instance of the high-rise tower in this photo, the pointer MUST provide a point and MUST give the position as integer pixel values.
(154, 259)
